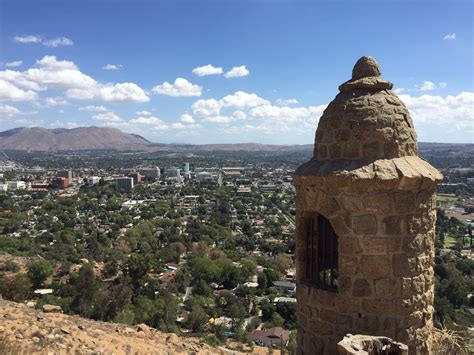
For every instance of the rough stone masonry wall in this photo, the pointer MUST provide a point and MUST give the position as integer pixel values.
(386, 251)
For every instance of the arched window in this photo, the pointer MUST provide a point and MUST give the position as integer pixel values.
(320, 266)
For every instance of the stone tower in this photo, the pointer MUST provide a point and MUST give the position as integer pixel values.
(365, 222)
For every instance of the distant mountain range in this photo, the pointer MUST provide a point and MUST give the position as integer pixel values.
(106, 138)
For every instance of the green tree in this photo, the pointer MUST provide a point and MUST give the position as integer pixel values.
(197, 319)
(39, 271)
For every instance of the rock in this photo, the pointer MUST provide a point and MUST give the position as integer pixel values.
(143, 328)
(366, 344)
(65, 331)
(49, 308)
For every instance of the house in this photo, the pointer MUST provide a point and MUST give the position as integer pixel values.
(275, 336)
(285, 286)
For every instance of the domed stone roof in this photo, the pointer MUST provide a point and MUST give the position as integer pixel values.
(366, 121)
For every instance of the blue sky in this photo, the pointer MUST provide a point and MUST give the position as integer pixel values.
(272, 65)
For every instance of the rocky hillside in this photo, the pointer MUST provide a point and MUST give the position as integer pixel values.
(29, 331)
(82, 138)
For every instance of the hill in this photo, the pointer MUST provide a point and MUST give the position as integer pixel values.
(81, 138)
(29, 331)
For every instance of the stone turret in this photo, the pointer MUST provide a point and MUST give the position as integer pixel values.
(365, 222)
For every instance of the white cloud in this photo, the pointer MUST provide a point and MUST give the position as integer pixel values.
(450, 36)
(288, 114)
(456, 111)
(93, 108)
(286, 102)
(428, 86)
(54, 42)
(52, 101)
(181, 87)
(178, 125)
(153, 121)
(53, 74)
(241, 99)
(7, 111)
(14, 64)
(112, 67)
(9, 92)
(185, 118)
(210, 109)
(143, 113)
(236, 72)
(207, 70)
(398, 90)
(108, 117)
(27, 39)
(59, 41)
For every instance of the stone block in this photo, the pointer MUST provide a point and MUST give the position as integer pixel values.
(347, 305)
(364, 224)
(334, 151)
(361, 288)
(328, 315)
(349, 245)
(367, 323)
(413, 244)
(344, 284)
(403, 265)
(349, 202)
(387, 288)
(374, 245)
(350, 150)
(404, 202)
(348, 264)
(375, 306)
(319, 327)
(375, 266)
(371, 150)
(380, 202)
(393, 225)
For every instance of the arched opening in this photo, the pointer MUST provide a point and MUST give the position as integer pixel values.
(321, 257)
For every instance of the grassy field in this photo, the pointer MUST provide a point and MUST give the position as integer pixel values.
(446, 197)
(450, 241)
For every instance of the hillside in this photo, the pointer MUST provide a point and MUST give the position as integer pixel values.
(26, 330)
(82, 138)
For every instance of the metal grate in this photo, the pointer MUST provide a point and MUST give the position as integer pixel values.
(321, 268)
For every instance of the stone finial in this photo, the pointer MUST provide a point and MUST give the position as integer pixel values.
(365, 67)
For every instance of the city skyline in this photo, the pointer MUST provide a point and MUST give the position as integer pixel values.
(233, 72)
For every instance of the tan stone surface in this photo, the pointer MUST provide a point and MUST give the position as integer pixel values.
(367, 179)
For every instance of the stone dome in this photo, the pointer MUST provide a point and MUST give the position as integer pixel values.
(366, 121)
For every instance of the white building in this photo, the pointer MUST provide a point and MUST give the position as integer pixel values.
(204, 176)
(152, 173)
(93, 180)
(16, 185)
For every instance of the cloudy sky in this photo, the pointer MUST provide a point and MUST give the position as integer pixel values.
(229, 71)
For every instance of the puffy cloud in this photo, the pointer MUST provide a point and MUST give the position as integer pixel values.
(450, 36)
(51, 73)
(181, 87)
(185, 118)
(7, 111)
(27, 39)
(9, 92)
(59, 41)
(108, 117)
(93, 108)
(207, 70)
(54, 42)
(286, 102)
(143, 113)
(236, 72)
(112, 67)
(207, 108)
(52, 101)
(14, 64)
(178, 125)
(428, 86)
(398, 90)
(153, 121)
(288, 114)
(455, 111)
(242, 99)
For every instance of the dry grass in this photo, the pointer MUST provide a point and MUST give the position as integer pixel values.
(446, 341)
(7, 346)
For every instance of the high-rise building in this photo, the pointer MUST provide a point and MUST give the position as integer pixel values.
(65, 174)
(151, 173)
(137, 178)
(186, 168)
(124, 184)
(60, 182)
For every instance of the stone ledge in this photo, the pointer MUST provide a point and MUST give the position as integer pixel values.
(406, 173)
(370, 345)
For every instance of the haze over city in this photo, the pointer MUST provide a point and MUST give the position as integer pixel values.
(229, 72)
